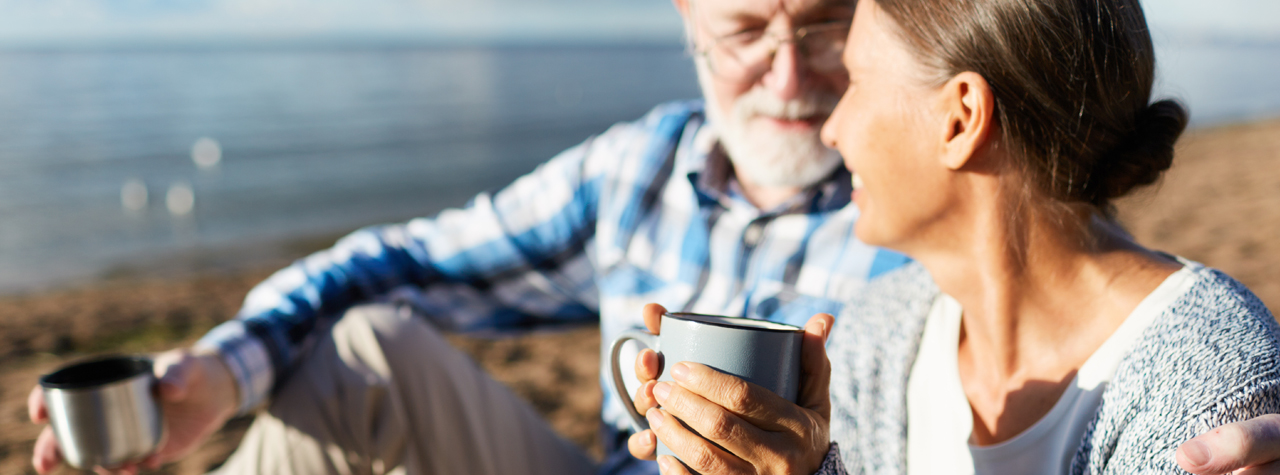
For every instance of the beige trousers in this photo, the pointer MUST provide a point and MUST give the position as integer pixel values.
(385, 393)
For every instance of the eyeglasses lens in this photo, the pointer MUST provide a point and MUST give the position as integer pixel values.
(749, 55)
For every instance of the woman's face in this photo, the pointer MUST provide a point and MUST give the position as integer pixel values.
(890, 128)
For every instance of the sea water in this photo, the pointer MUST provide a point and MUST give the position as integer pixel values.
(116, 160)
(96, 148)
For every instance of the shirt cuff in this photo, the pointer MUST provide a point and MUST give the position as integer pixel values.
(247, 358)
(832, 465)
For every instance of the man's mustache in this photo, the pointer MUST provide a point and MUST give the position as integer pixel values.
(759, 102)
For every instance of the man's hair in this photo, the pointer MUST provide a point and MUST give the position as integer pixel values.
(1071, 80)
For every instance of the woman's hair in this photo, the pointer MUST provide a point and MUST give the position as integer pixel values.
(1071, 80)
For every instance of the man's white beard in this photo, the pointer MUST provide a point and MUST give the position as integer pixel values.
(765, 155)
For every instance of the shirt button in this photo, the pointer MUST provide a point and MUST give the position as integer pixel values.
(753, 233)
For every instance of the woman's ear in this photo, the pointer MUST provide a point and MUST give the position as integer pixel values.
(969, 108)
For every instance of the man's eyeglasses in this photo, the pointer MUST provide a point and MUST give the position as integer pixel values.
(749, 54)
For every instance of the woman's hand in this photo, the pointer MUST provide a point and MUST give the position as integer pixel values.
(197, 395)
(753, 430)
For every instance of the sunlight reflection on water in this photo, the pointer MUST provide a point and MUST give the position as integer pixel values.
(110, 158)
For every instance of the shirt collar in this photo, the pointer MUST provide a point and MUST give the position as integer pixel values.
(702, 159)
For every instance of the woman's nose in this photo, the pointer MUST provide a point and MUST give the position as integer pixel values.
(828, 131)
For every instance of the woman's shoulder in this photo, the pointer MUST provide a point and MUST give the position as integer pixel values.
(871, 347)
(887, 315)
(890, 294)
(1211, 358)
(1216, 317)
(1217, 337)
(889, 310)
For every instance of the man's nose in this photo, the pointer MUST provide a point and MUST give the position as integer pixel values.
(786, 74)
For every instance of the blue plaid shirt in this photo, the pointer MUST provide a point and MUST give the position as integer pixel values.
(648, 211)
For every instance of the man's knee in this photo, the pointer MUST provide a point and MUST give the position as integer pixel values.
(385, 321)
(387, 332)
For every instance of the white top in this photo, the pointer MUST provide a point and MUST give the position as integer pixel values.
(940, 420)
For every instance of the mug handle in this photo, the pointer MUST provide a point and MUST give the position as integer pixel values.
(649, 340)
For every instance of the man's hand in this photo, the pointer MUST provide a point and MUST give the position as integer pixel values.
(753, 430)
(197, 395)
(1250, 447)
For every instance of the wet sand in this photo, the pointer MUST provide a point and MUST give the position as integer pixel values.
(1220, 205)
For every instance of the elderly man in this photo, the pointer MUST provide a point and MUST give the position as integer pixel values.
(730, 208)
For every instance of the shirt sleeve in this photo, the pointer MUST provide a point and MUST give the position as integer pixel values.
(510, 260)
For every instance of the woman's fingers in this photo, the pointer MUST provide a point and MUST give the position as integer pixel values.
(815, 368)
(647, 370)
(757, 405)
(642, 445)
(713, 422)
(644, 397)
(696, 452)
(124, 470)
(648, 365)
(668, 465)
(35, 406)
(46, 455)
(653, 317)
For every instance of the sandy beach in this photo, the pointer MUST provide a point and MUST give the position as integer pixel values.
(1220, 205)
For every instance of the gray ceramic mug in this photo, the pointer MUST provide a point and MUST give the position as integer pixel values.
(761, 352)
(104, 411)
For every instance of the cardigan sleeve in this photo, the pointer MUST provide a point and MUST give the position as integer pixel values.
(832, 465)
(1158, 453)
(1212, 360)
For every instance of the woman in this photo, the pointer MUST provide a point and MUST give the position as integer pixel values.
(989, 139)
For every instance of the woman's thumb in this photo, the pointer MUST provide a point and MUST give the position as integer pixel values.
(814, 366)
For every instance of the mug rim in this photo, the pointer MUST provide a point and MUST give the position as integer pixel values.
(141, 365)
(746, 323)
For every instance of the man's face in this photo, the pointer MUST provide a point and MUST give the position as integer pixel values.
(770, 108)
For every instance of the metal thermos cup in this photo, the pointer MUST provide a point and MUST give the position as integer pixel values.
(104, 411)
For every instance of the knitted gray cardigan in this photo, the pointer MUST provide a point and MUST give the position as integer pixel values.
(1212, 358)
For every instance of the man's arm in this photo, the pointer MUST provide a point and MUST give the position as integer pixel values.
(506, 261)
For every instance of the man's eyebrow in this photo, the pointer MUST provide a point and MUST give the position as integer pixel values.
(746, 17)
(823, 11)
(850, 4)
(826, 8)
